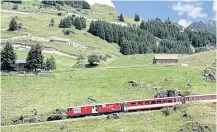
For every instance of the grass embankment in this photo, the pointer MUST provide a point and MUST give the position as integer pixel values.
(20, 95)
(135, 122)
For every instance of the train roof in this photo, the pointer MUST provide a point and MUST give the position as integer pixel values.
(137, 100)
(153, 99)
(200, 95)
(92, 104)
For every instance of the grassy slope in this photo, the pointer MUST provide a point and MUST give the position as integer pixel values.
(199, 59)
(37, 25)
(196, 60)
(108, 85)
(130, 61)
(147, 122)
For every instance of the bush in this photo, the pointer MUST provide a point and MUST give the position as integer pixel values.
(55, 117)
(93, 59)
(165, 111)
(67, 32)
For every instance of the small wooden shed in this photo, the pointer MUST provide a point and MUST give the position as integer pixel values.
(165, 59)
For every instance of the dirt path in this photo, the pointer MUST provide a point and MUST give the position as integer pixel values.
(45, 50)
(17, 12)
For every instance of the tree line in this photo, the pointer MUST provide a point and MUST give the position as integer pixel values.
(170, 31)
(132, 39)
(34, 59)
(73, 3)
(140, 40)
(78, 22)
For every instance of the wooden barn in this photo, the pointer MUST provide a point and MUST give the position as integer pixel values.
(170, 59)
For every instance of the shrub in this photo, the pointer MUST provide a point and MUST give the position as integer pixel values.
(55, 117)
(13, 25)
(93, 59)
(165, 111)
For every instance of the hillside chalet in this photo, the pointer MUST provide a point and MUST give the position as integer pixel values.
(165, 59)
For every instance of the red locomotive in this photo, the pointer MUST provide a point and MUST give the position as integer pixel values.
(135, 105)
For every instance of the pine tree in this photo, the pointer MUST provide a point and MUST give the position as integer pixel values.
(78, 23)
(34, 58)
(8, 58)
(137, 18)
(13, 25)
(142, 25)
(53, 63)
(51, 23)
(48, 64)
(121, 18)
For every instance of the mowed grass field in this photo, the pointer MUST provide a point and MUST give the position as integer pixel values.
(155, 121)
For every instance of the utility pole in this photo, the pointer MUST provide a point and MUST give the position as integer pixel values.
(141, 91)
(69, 94)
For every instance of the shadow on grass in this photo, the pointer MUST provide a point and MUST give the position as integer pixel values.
(90, 65)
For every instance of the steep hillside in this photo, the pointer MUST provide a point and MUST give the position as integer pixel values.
(209, 26)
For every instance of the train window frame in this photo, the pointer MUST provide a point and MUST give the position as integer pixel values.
(140, 103)
(147, 102)
(169, 100)
(213, 97)
(158, 102)
(132, 104)
(153, 102)
(164, 101)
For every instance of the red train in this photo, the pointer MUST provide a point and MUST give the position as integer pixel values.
(135, 105)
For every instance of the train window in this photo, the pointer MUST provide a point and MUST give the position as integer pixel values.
(140, 103)
(147, 102)
(133, 104)
(164, 101)
(170, 101)
(159, 102)
(153, 102)
(174, 100)
(206, 98)
(213, 97)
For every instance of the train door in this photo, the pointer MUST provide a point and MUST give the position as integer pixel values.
(178, 100)
(77, 110)
(125, 108)
(94, 109)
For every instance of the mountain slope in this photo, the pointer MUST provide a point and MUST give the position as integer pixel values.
(209, 26)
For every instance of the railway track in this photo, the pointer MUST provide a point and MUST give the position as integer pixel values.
(80, 118)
